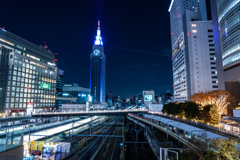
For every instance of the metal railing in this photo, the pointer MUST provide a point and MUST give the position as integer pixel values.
(89, 112)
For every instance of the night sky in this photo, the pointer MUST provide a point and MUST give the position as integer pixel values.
(136, 36)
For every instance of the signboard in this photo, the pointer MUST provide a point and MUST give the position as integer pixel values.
(29, 108)
(148, 98)
(45, 85)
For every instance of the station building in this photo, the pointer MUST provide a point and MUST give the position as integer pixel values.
(27, 76)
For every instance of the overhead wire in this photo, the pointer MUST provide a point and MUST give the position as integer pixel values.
(132, 50)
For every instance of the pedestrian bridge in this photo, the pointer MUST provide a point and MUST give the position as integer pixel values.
(90, 113)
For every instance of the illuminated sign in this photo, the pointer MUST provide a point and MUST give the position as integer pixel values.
(65, 94)
(45, 85)
(96, 52)
(89, 98)
(148, 98)
(82, 95)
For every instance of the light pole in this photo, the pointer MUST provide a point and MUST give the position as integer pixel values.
(167, 127)
(191, 134)
(152, 121)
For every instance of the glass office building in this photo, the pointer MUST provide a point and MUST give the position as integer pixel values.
(27, 76)
(59, 87)
(226, 26)
(229, 25)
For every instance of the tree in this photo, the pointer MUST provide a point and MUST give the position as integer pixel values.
(205, 113)
(180, 110)
(214, 115)
(191, 110)
(226, 148)
(221, 98)
(169, 108)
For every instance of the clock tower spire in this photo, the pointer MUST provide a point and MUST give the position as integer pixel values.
(98, 69)
(98, 40)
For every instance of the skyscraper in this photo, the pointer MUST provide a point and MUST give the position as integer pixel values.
(193, 56)
(98, 69)
(59, 86)
(226, 25)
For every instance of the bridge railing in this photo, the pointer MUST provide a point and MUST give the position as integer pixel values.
(87, 112)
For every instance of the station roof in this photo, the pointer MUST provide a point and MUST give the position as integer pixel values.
(185, 127)
(231, 121)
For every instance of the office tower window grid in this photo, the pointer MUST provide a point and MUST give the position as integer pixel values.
(229, 26)
(4, 54)
(181, 56)
(25, 77)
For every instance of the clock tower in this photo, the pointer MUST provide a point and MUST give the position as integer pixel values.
(98, 69)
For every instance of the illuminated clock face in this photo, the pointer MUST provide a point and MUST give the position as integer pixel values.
(96, 52)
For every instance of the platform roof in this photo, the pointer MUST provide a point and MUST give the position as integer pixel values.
(185, 127)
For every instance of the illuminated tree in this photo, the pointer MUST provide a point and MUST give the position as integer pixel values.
(214, 115)
(221, 98)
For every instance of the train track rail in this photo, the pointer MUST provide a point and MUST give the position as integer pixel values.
(109, 150)
(138, 151)
(81, 149)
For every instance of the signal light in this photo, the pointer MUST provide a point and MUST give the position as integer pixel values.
(121, 144)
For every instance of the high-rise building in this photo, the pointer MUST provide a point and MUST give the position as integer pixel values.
(193, 56)
(59, 86)
(226, 26)
(98, 69)
(27, 76)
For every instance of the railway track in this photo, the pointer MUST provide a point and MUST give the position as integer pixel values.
(91, 153)
(138, 151)
(110, 150)
(80, 149)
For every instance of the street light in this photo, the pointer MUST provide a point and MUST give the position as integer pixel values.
(167, 127)
(152, 121)
(191, 134)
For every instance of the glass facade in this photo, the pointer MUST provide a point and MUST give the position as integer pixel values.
(98, 75)
(229, 25)
(59, 86)
(98, 69)
(4, 54)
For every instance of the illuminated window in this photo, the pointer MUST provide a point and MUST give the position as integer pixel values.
(194, 25)
(194, 31)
